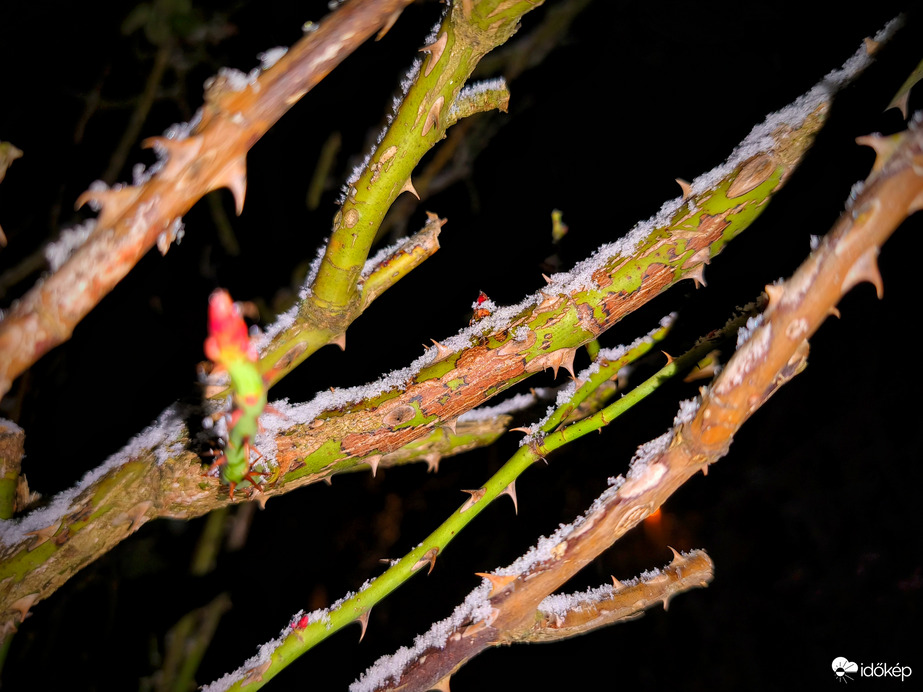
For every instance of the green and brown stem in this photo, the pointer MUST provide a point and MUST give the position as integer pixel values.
(551, 325)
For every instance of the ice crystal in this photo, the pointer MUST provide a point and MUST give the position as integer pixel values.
(70, 240)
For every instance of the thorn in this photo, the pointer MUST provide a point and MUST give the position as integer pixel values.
(43, 535)
(442, 685)
(497, 583)
(705, 469)
(476, 495)
(686, 187)
(697, 275)
(527, 431)
(113, 202)
(429, 558)
(902, 103)
(372, 461)
(441, 350)
(234, 177)
(834, 311)
(340, 341)
(666, 603)
(884, 147)
(511, 491)
(677, 558)
(408, 187)
(871, 45)
(389, 22)
(432, 117)
(23, 605)
(363, 621)
(774, 292)
(567, 361)
(328, 480)
(546, 278)
(435, 50)
(563, 357)
(616, 584)
(670, 358)
(179, 152)
(865, 269)
(262, 498)
(432, 462)
(451, 424)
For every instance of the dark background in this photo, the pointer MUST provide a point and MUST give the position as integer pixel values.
(812, 520)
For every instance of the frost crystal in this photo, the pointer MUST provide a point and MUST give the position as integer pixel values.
(265, 651)
(70, 240)
(521, 333)
(234, 79)
(475, 608)
(271, 57)
(471, 91)
(559, 605)
(687, 411)
(646, 453)
(745, 332)
(746, 358)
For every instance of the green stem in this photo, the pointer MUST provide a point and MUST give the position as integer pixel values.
(466, 35)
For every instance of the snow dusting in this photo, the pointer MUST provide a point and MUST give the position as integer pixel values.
(560, 604)
(758, 141)
(70, 240)
(265, 651)
(745, 358)
(472, 91)
(745, 332)
(687, 411)
(155, 437)
(271, 57)
(475, 608)
(8, 427)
